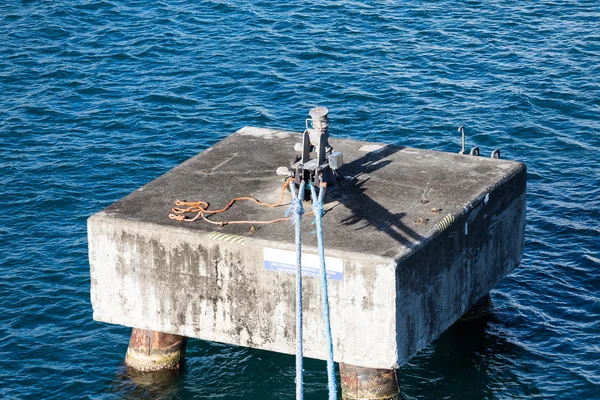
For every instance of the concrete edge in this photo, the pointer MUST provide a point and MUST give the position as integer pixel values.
(102, 217)
(518, 168)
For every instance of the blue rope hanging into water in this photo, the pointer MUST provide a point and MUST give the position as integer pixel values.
(318, 211)
(296, 209)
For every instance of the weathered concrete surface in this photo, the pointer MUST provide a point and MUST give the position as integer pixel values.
(407, 273)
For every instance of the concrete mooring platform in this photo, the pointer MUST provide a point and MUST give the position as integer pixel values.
(413, 239)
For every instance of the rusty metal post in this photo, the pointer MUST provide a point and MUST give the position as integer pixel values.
(481, 309)
(155, 351)
(362, 383)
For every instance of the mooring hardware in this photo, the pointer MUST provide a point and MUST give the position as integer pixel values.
(475, 150)
(317, 162)
(461, 129)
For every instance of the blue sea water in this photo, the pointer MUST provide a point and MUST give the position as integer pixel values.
(98, 97)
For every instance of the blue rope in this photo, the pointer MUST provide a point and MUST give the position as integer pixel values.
(297, 209)
(318, 210)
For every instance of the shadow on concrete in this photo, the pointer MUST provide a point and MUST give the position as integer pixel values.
(367, 212)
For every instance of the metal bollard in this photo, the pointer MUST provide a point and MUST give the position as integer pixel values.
(360, 383)
(155, 351)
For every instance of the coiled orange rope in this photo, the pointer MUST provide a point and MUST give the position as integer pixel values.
(201, 209)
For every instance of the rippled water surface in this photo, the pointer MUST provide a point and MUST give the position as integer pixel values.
(99, 97)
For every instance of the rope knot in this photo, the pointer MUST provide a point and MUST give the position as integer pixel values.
(318, 208)
(296, 210)
(317, 199)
